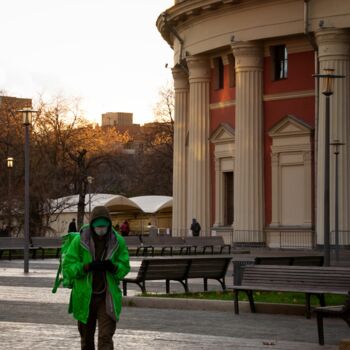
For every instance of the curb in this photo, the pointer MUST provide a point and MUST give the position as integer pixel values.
(210, 305)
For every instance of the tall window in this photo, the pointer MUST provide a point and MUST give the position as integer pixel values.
(218, 73)
(232, 70)
(279, 56)
(228, 183)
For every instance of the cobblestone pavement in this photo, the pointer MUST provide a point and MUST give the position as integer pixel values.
(31, 317)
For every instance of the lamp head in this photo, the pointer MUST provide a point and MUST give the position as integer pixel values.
(10, 162)
(27, 115)
(327, 80)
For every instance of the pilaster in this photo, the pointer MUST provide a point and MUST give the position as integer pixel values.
(181, 87)
(198, 195)
(334, 51)
(248, 193)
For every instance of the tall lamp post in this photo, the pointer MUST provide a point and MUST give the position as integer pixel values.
(90, 179)
(336, 144)
(327, 81)
(9, 167)
(27, 121)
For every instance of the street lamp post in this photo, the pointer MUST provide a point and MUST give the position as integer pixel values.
(327, 79)
(9, 199)
(27, 121)
(336, 144)
(90, 179)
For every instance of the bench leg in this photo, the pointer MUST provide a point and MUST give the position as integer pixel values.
(125, 288)
(167, 286)
(205, 282)
(320, 328)
(142, 285)
(251, 301)
(223, 284)
(235, 296)
(185, 285)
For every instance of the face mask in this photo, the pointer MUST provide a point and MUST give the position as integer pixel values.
(101, 231)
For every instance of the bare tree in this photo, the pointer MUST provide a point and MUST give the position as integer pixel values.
(156, 165)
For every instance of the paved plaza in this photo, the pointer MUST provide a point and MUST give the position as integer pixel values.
(31, 317)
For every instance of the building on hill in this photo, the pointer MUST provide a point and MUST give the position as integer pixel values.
(117, 119)
(250, 117)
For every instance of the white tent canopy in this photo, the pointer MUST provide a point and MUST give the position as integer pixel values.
(115, 203)
(153, 204)
(121, 203)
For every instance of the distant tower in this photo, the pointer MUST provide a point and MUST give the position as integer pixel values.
(117, 119)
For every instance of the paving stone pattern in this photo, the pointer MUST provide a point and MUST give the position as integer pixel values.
(31, 317)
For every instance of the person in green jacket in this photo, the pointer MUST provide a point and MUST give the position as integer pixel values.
(96, 261)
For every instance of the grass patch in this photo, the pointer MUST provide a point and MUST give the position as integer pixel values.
(264, 297)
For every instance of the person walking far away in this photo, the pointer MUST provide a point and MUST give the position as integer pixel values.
(72, 226)
(96, 261)
(124, 228)
(195, 228)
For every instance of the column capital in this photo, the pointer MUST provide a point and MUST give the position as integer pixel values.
(249, 55)
(333, 44)
(180, 78)
(199, 68)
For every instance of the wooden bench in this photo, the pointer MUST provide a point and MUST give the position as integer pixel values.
(43, 243)
(292, 260)
(13, 244)
(211, 244)
(166, 245)
(209, 268)
(341, 311)
(180, 269)
(311, 280)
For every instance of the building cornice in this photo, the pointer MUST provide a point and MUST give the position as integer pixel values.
(185, 10)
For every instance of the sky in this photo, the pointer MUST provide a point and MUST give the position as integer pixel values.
(109, 53)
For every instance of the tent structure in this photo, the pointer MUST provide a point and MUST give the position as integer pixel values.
(139, 211)
(153, 204)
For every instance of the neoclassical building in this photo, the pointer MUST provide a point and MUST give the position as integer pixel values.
(249, 145)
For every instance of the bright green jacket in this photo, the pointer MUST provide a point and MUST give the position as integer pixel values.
(78, 255)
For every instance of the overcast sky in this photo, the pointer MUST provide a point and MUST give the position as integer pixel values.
(108, 52)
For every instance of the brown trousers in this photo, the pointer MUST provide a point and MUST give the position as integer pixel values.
(106, 326)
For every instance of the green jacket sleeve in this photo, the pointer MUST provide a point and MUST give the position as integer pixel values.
(73, 264)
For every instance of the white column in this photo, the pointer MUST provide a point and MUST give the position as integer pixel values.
(198, 194)
(248, 190)
(181, 88)
(334, 50)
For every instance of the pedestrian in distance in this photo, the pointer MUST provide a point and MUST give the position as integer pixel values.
(125, 228)
(96, 261)
(195, 228)
(72, 226)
